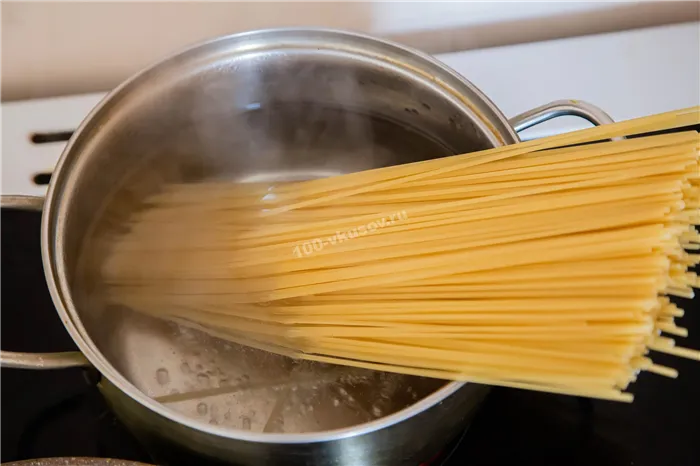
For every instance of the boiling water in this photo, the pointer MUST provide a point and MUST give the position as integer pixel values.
(230, 385)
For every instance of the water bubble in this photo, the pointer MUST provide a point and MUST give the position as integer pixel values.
(377, 411)
(246, 423)
(203, 379)
(162, 376)
(342, 391)
(185, 368)
(336, 402)
(214, 422)
(245, 377)
(199, 367)
(202, 409)
(311, 408)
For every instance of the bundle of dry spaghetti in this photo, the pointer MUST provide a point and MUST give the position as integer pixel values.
(546, 265)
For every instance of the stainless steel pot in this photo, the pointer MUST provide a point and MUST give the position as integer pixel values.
(271, 104)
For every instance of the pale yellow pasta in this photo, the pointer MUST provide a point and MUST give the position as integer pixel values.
(544, 265)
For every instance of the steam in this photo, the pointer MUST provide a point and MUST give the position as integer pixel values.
(283, 117)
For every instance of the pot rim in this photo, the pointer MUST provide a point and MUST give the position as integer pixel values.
(56, 275)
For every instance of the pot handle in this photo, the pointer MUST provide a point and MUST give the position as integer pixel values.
(11, 359)
(559, 108)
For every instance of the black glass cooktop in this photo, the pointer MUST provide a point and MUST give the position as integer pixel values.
(61, 413)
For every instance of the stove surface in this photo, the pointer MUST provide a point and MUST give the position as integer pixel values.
(61, 413)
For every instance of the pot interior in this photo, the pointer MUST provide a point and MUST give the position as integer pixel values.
(251, 113)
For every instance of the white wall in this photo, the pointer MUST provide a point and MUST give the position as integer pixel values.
(52, 48)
